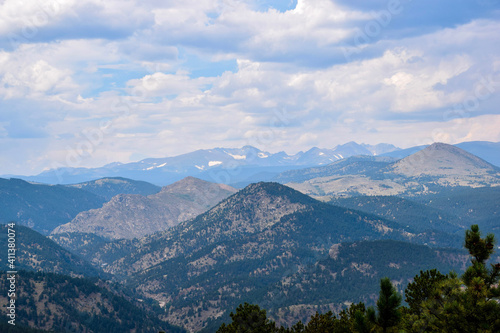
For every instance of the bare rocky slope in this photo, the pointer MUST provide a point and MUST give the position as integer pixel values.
(443, 160)
(132, 215)
(427, 171)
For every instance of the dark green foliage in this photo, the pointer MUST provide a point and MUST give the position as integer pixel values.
(478, 277)
(388, 316)
(363, 322)
(43, 207)
(422, 288)
(388, 306)
(321, 323)
(38, 253)
(469, 304)
(347, 318)
(479, 248)
(74, 306)
(248, 318)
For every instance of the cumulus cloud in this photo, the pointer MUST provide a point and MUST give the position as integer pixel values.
(319, 74)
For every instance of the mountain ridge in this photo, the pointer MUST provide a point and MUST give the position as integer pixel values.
(238, 164)
(429, 170)
(442, 159)
(243, 245)
(133, 215)
(43, 207)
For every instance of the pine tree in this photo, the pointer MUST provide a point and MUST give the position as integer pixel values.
(422, 288)
(388, 306)
(248, 318)
(466, 304)
(388, 315)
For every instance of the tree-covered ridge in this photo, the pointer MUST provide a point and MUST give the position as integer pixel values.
(35, 252)
(110, 186)
(64, 304)
(435, 303)
(249, 245)
(469, 206)
(43, 207)
(407, 212)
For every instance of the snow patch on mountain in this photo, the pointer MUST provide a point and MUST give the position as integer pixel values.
(238, 157)
(214, 163)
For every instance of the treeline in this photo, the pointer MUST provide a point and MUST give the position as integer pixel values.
(436, 302)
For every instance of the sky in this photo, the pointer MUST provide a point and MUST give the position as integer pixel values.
(89, 82)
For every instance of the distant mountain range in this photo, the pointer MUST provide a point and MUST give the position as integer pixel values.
(238, 166)
(219, 165)
(130, 208)
(194, 250)
(427, 171)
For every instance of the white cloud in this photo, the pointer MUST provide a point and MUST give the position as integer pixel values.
(34, 80)
(292, 88)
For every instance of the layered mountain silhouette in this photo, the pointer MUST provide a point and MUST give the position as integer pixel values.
(43, 207)
(109, 187)
(240, 248)
(441, 159)
(227, 165)
(198, 249)
(426, 171)
(132, 215)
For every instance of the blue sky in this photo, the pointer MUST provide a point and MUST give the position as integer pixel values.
(86, 83)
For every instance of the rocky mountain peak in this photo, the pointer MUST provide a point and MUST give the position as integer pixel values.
(132, 215)
(254, 208)
(442, 159)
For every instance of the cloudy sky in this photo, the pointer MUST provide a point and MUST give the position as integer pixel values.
(89, 82)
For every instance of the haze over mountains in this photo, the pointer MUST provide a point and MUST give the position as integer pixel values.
(43, 207)
(193, 250)
(242, 163)
(238, 166)
(427, 171)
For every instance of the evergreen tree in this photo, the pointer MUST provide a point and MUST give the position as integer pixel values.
(388, 315)
(248, 318)
(388, 306)
(346, 321)
(467, 304)
(321, 323)
(422, 288)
